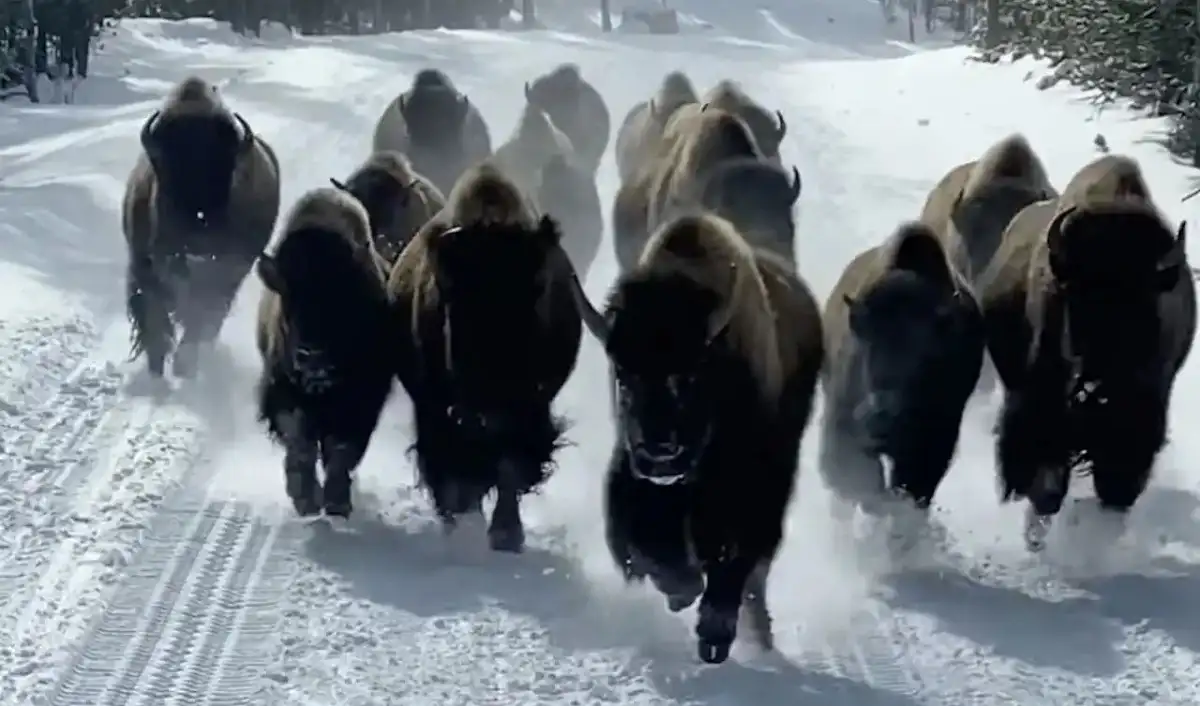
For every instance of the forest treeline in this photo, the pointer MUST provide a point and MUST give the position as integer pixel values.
(1143, 50)
(53, 37)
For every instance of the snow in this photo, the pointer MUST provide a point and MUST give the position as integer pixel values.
(147, 556)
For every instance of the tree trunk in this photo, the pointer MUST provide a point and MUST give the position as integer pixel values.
(606, 15)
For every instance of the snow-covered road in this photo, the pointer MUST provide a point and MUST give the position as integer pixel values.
(146, 556)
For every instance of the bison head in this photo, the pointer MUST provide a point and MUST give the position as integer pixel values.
(492, 289)
(435, 117)
(1112, 265)
(194, 158)
(759, 198)
(659, 337)
(907, 330)
(983, 216)
(385, 200)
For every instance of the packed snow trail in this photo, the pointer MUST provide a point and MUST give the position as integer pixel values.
(148, 558)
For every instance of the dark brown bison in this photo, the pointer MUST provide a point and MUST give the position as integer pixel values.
(436, 127)
(577, 108)
(398, 199)
(973, 204)
(199, 206)
(715, 349)
(326, 347)
(671, 184)
(484, 290)
(642, 128)
(768, 128)
(1090, 312)
(904, 342)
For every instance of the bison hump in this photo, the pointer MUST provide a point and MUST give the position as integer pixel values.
(916, 248)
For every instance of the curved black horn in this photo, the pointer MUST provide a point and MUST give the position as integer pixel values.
(782, 129)
(704, 107)
(340, 186)
(147, 135)
(528, 92)
(247, 134)
(593, 319)
(797, 184)
(1177, 257)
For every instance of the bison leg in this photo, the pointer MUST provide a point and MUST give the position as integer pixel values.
(754, 607)
(506, 533)
(149, 308)
(647, 535)
(300, 463)
(1121, 470)
(1032, 460)
(716, 627)
(340, 456)
(210, 298)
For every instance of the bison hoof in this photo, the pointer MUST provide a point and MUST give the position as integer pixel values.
(716, 630)
(306, 506)
(305, 493)
(712, 652)
(507, 539)
(338, 509)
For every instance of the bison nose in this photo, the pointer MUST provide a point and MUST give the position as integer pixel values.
(660, 452)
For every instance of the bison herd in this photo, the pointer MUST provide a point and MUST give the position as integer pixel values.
(453, 265)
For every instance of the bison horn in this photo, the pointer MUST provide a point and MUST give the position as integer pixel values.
(340, 186)
(704, 107)
(147, 136)
(528, 92)
(595, 322)
(797, 184)
(782, 129)
(1177, 257)
(1054, 242)
(247, 134)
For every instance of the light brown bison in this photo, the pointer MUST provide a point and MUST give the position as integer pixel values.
(640, 131)
(436, 126)
(715, 349)
(326, 347)
(577, 108)
(199, 206)
(1090, 311)
(670, 184)
(484, 292)
(397, 198)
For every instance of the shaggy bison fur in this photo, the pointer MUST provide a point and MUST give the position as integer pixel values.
(768, 128)
(199, 206)
(904, 341)
(715, 350)
(1090, 312)
(577, 108)
(484, 291)
(437, 127)
(398, 200)
(642, 128)
(671, 184)
(325, 345)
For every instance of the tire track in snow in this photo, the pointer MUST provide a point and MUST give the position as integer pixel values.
(194, 622)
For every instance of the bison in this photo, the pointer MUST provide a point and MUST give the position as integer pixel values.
(398, 199)
(758, 197)
(1090, 311)
(484, 290)
(973, 204)
(327, 352)
(904, 342)
(640, 131)
(569, 195)
(670, 184)
(715, 348)
(436, 126)
(577, 108)
(199, 206)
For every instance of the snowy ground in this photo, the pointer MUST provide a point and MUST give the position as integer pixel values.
(146, 557)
